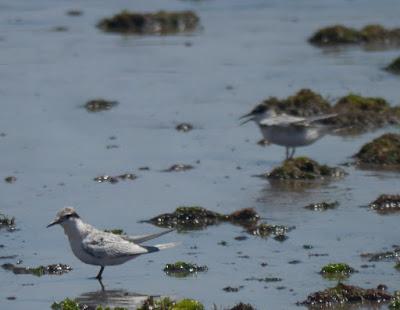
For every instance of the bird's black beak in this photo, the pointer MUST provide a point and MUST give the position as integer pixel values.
(250, 118)
(55, 222)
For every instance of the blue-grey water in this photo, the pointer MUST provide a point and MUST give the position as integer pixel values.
(245, 52)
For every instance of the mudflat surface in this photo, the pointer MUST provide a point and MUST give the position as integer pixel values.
(246, 51)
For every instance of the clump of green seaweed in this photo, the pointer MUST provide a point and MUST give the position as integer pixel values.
(183, 269)
(322, 206)
(372, 34)
(69, 304)
(161, 22)
(97, 105)
(195, 217)
(395, 302)
(382, 151)
(54, 269)
(343, 294)
(336, 271)
(168, 304)
(385, 204)
(303, 168)
(394, 66)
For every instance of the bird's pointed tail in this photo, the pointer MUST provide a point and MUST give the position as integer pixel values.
(159, 247)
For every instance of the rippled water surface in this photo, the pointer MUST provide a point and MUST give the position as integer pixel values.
(245, 52)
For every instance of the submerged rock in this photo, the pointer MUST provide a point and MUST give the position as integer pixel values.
(97, 105)
(303, 168)
(115, 179)
(161, 22)
(242, 306)
(343, 294)
(372, 34)
(184, 127)
(382, 151)
(382, 256)
(178, 168)
(394, 66)
(386, 204)
(336, 271)
(266, 230)
(54, 269)
(182, 269)
(196, 217)
(7, 222)
(168, 304)
(322, 206)
(10, 179)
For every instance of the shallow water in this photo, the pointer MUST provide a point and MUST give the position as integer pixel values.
(55, 148)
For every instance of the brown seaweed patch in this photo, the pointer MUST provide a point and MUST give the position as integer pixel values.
(322, 206)
(97, 105)
(382, 151)
(182, 269)
(54, 269)
(372, 34)
(195, 217)
(346, 294)
(303, 168)
(386, 204)
(115, 179)
(394, 66)
(161, 22)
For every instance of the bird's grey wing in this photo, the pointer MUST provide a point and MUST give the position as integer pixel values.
(282, 120)
(319, 117)
(143, 238)
(105, 245)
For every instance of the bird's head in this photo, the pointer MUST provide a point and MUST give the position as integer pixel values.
(64, 217)
(259, 113)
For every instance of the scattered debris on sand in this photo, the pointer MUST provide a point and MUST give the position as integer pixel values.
(343, 294)
(322, 206)
(386, 204)
(54, 269)
(161, 23)
(336, 271)
(115, 179)
(373, 35)
(97, 105)
(304, 168)
(183, 269)
(381, 152)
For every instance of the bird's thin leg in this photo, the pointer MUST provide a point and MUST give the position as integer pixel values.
(287, 152)
(101, 284)
(98, 277)
(293, 151)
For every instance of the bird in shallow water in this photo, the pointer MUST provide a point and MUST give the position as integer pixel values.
(287, 130)
(96, 247)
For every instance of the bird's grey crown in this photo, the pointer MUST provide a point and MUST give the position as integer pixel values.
(259, 109)
(67, 212)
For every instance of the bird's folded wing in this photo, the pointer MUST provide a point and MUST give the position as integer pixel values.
(103, 245)
(320, 117)
(143, 238)
(282, 120)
